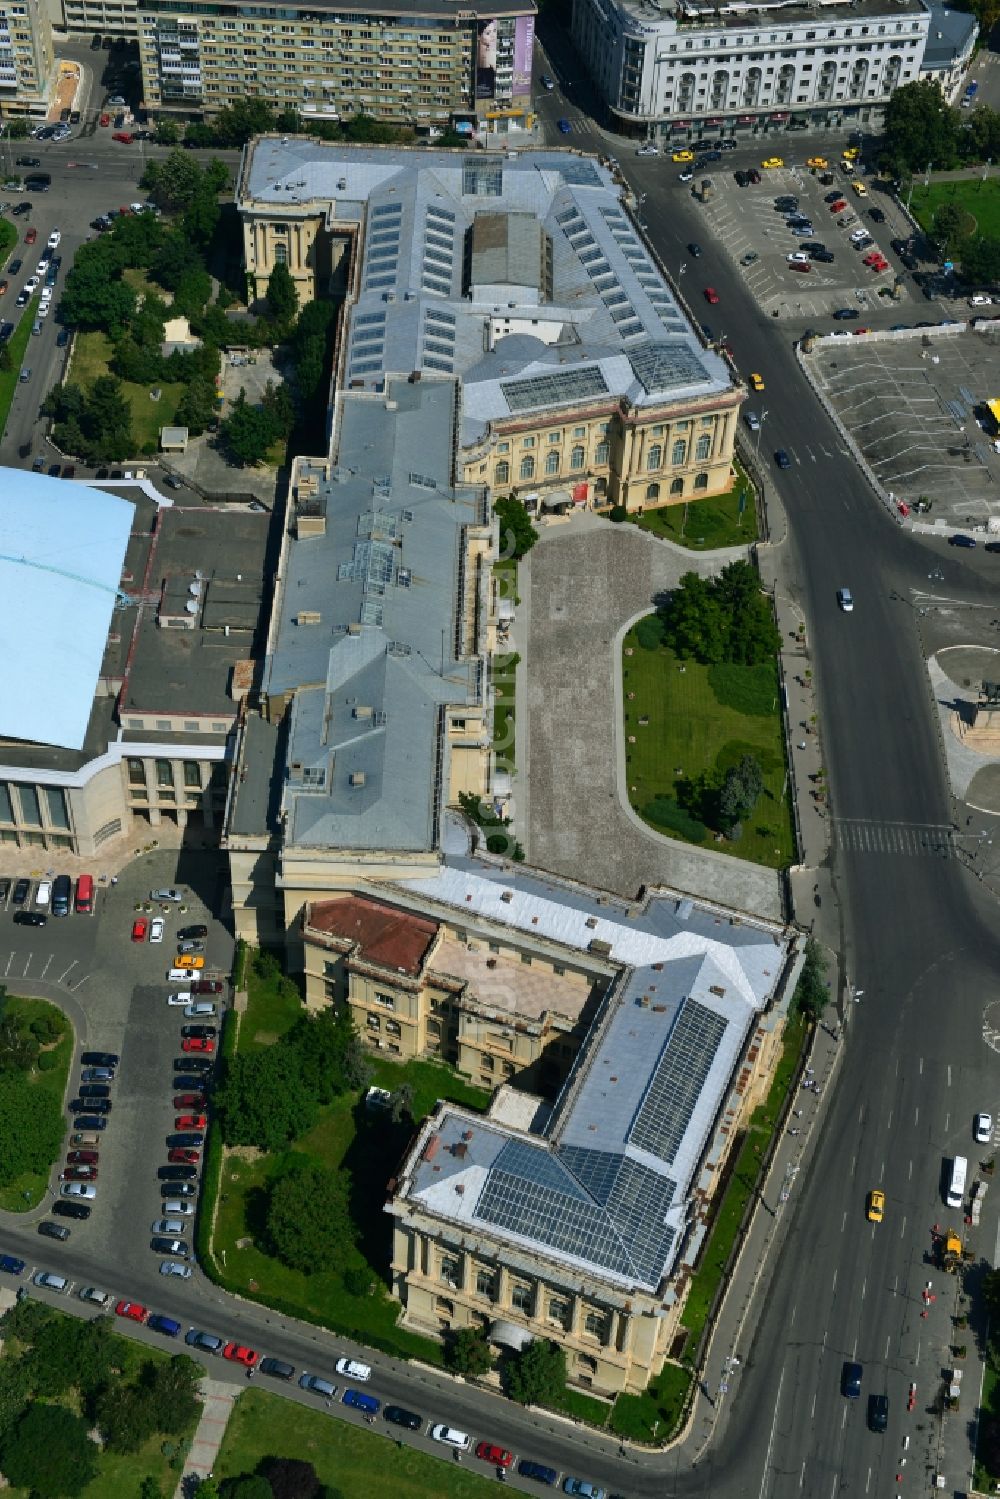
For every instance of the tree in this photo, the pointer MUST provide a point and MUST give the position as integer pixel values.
(517, 534)
(811, 992)
(991, 1295)
(262, 1101)
(95, 295)
(126, 1415)
(950, 227)
(694, 623)
(980, 260)
(168, 133)
(49, 1452)
(290, 1477)
(401, 1104)
(175, 257)
(196, 407)
(202, 214)
(740, 791)
(282, 298)
(237, 123)
(172, 1390)
(173, 182)
(66, 1354)
(15, 1387)
(246, 1486)
(247, 432)
(469, 1353)
(308, 1218)
(277, 402)
(31, 1128)
(920, 127)
(150, 1488)
(537, 1375)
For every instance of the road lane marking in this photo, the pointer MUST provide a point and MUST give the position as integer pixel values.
(949, 1074)
(868, 1481)
(9, 962)
(921, 1066)
(813, 1411)
(887, 1343)
(27, 965)
(864, 1287)
(843, 1225)
(770, 1440)
(902, 1230)
(947, 1121)
(45, 970)
(888, 1127)
(835, 1271)
(916, 1114)
(62, 976)
(802, 1472)
(79, 984)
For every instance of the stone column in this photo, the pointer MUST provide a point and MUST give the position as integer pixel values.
(614, 1321)
(503, 1287)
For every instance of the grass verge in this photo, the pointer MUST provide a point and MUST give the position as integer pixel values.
(685, 726)
(979, 199)
(986, 1479)
(17, 344)
(27, 1190)
(351, 1460)
(705, 525)
(653, 1415)
(91, 355)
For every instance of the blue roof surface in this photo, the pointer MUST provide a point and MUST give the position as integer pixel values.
(62, 549)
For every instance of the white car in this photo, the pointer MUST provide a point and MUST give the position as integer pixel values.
(798, 257)
(845, 599)
(752, 420)
(648, 149)
(45, 309)
(174, 1267)
(46, 295)
(170, 894)
(453, 1438)
(54, 239)
(31, 284)
(95, 1296)
(202, 1009)
(156, 929)
(352, 1369)
(179, 998)
(78, 1189)
(50, 1282)
(984, 1129)
(44, 893)
(171, 1227)
(43, 265)
(179, 1209)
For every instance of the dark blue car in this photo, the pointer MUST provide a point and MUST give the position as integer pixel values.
(782, 459)
(528, 1468)
(564, 127)
(11, 1264)
(361, 1402)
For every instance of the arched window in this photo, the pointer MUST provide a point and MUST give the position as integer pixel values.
(652, 491)
(552, 463)
(602, 451)
(654, 456)
(751, 86)
(503, 472)
(704, 445)
(680, 452)
(528, 467)
(701, 481)
(576, 457)
(893, 68)
(677, 486)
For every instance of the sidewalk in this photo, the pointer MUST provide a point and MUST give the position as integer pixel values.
(219, 1400)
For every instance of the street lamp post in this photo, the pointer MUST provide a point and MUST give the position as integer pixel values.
(763, 419)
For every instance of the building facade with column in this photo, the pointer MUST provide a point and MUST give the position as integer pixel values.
(684, 69)
(577, 1210)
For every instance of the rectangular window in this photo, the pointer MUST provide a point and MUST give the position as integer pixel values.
(387, 1000)
(555, 437)
(594, 1324)
(451, 1269)
(6, 813)
(485, 1281)
(522, 1298)
(55, 806)
(192, 773)
(31, 812)
(164, 773)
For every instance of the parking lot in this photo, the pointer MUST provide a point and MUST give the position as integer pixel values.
(114, 990)
(914, 402)
(745, 222)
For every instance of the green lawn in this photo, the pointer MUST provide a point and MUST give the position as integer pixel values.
(979, 199)
(368, 1146)
(90, 359)
(17, 345)
(351, 1459)
(985, 1479)
(699, 721)
(705, 525)
(28, 1190)
(653, 1415)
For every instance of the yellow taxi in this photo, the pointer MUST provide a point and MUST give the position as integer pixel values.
(851, 153)
(682, 156)
(774, 161)
(820, 162)
(860, 189)
(756, 382)
(876, 1205)
(188, 960)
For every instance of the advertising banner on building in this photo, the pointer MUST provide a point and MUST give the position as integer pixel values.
(486, 59)
(524, 46)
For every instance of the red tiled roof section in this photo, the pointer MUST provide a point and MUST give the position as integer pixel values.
(394, 939)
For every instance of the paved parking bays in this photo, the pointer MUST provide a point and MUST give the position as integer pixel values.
(914, 403)
(745, 222)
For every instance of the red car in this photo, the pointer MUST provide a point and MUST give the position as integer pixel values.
(178, 1157)
(856, 331)
(140, 929)
(31, 236)
(239, 1354)
(79, 1174)
(191, 1121)
(189, 1101)
(105, 119)
(123, 136)
(132, 1310)
(489, 1452)
(83, 1158)
(198, 1043)
(839, 206)
(207, 986)
(711, 295)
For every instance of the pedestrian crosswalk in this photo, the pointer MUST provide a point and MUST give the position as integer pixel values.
(859, 835)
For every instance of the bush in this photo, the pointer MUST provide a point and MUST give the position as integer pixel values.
(664, 812)
(747, 689)
(617, 513)
(649, 633)
(46, 1061)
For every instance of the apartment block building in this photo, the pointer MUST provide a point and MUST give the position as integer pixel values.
(681, 69)
(427, 64)
(26, 57)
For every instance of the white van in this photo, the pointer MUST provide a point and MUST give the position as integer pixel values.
(955, 1195)
(451, 1437)
(44, 893)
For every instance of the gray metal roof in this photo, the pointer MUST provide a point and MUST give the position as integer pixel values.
(607, 306)
(950, 33)
(604, 1184)
(366, 637)
(62, 549)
